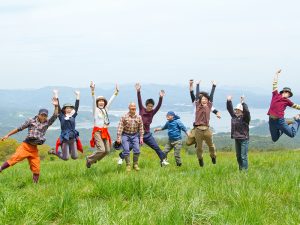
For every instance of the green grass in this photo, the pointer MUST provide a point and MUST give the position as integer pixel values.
(68, 193)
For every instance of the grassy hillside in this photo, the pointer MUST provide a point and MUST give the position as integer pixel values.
(68, 193)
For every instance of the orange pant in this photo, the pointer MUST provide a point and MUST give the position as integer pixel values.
(27, 151)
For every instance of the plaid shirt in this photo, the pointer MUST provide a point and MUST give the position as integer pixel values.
(130, 125)
(36, 130)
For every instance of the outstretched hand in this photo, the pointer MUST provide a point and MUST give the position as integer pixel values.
(278, 71)
(213, 82)
(229, 98)
(242, 98)
(198, 82)
(218, 115)
(162, 93)
(138, 86)
(117, 88)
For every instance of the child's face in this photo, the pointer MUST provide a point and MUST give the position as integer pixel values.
(42, 118)
(204, 100)
(149, 107)
(68, 110)
(169, 117)
(101, 104)
(285, 94)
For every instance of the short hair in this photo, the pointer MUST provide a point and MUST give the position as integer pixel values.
(150, 101)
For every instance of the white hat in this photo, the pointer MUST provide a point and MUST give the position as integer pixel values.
(239, 107)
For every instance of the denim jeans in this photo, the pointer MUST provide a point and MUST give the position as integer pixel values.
(241, 148)
(279, 126)
(150, 141)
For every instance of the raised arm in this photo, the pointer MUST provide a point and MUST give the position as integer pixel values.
(92, 86)
(161, 95)
(212, 92)
(230, 107)
(193, 98)
(197, 89)
(112, 98)
(77, 93)
(55, 95)
(139, 96)
(275, 81)
(55, 113)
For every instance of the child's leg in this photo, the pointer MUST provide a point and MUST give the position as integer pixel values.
(274, 131)
(168, 148)
(177, 147)
(244, 153)
(150, 141)
(72, 149)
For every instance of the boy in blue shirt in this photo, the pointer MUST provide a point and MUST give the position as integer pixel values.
(174, 126)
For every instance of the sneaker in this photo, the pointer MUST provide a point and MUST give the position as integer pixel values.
(164, 163)
(120, 161)
(128, 168)
(201, 162)
(178, 164)
(214, 160)
(136, 167)
(88, 163)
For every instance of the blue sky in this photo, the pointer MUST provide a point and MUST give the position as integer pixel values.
(70, 42)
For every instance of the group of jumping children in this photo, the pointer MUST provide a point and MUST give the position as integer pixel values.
(134, 129)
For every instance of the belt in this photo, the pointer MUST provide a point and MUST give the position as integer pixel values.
(201, 127)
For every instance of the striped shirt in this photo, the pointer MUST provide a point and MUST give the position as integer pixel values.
(130, 125)
(36, 130)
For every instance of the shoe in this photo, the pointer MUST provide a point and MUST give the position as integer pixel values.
(201, 162)
(136, 167)
(88, 163)
(178, 164)
(214, 160)
(164, 163)
(120, 161)
(128, 168)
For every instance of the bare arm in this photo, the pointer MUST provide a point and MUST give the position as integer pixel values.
(275, 81)
(14, 131)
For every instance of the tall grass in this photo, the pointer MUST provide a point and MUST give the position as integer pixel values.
(69, 193)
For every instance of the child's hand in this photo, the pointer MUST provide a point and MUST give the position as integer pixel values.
(156, 130)
(229, 98)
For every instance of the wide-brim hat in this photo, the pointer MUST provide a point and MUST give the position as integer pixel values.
(239, 107)
(67, 105)
(287, 89)
(101, 98)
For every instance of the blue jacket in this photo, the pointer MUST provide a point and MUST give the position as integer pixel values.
(174, 127)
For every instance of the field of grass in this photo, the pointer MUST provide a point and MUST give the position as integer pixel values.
(69, 193)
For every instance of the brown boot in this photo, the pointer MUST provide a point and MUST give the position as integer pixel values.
(136, 161)
(127, 160)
